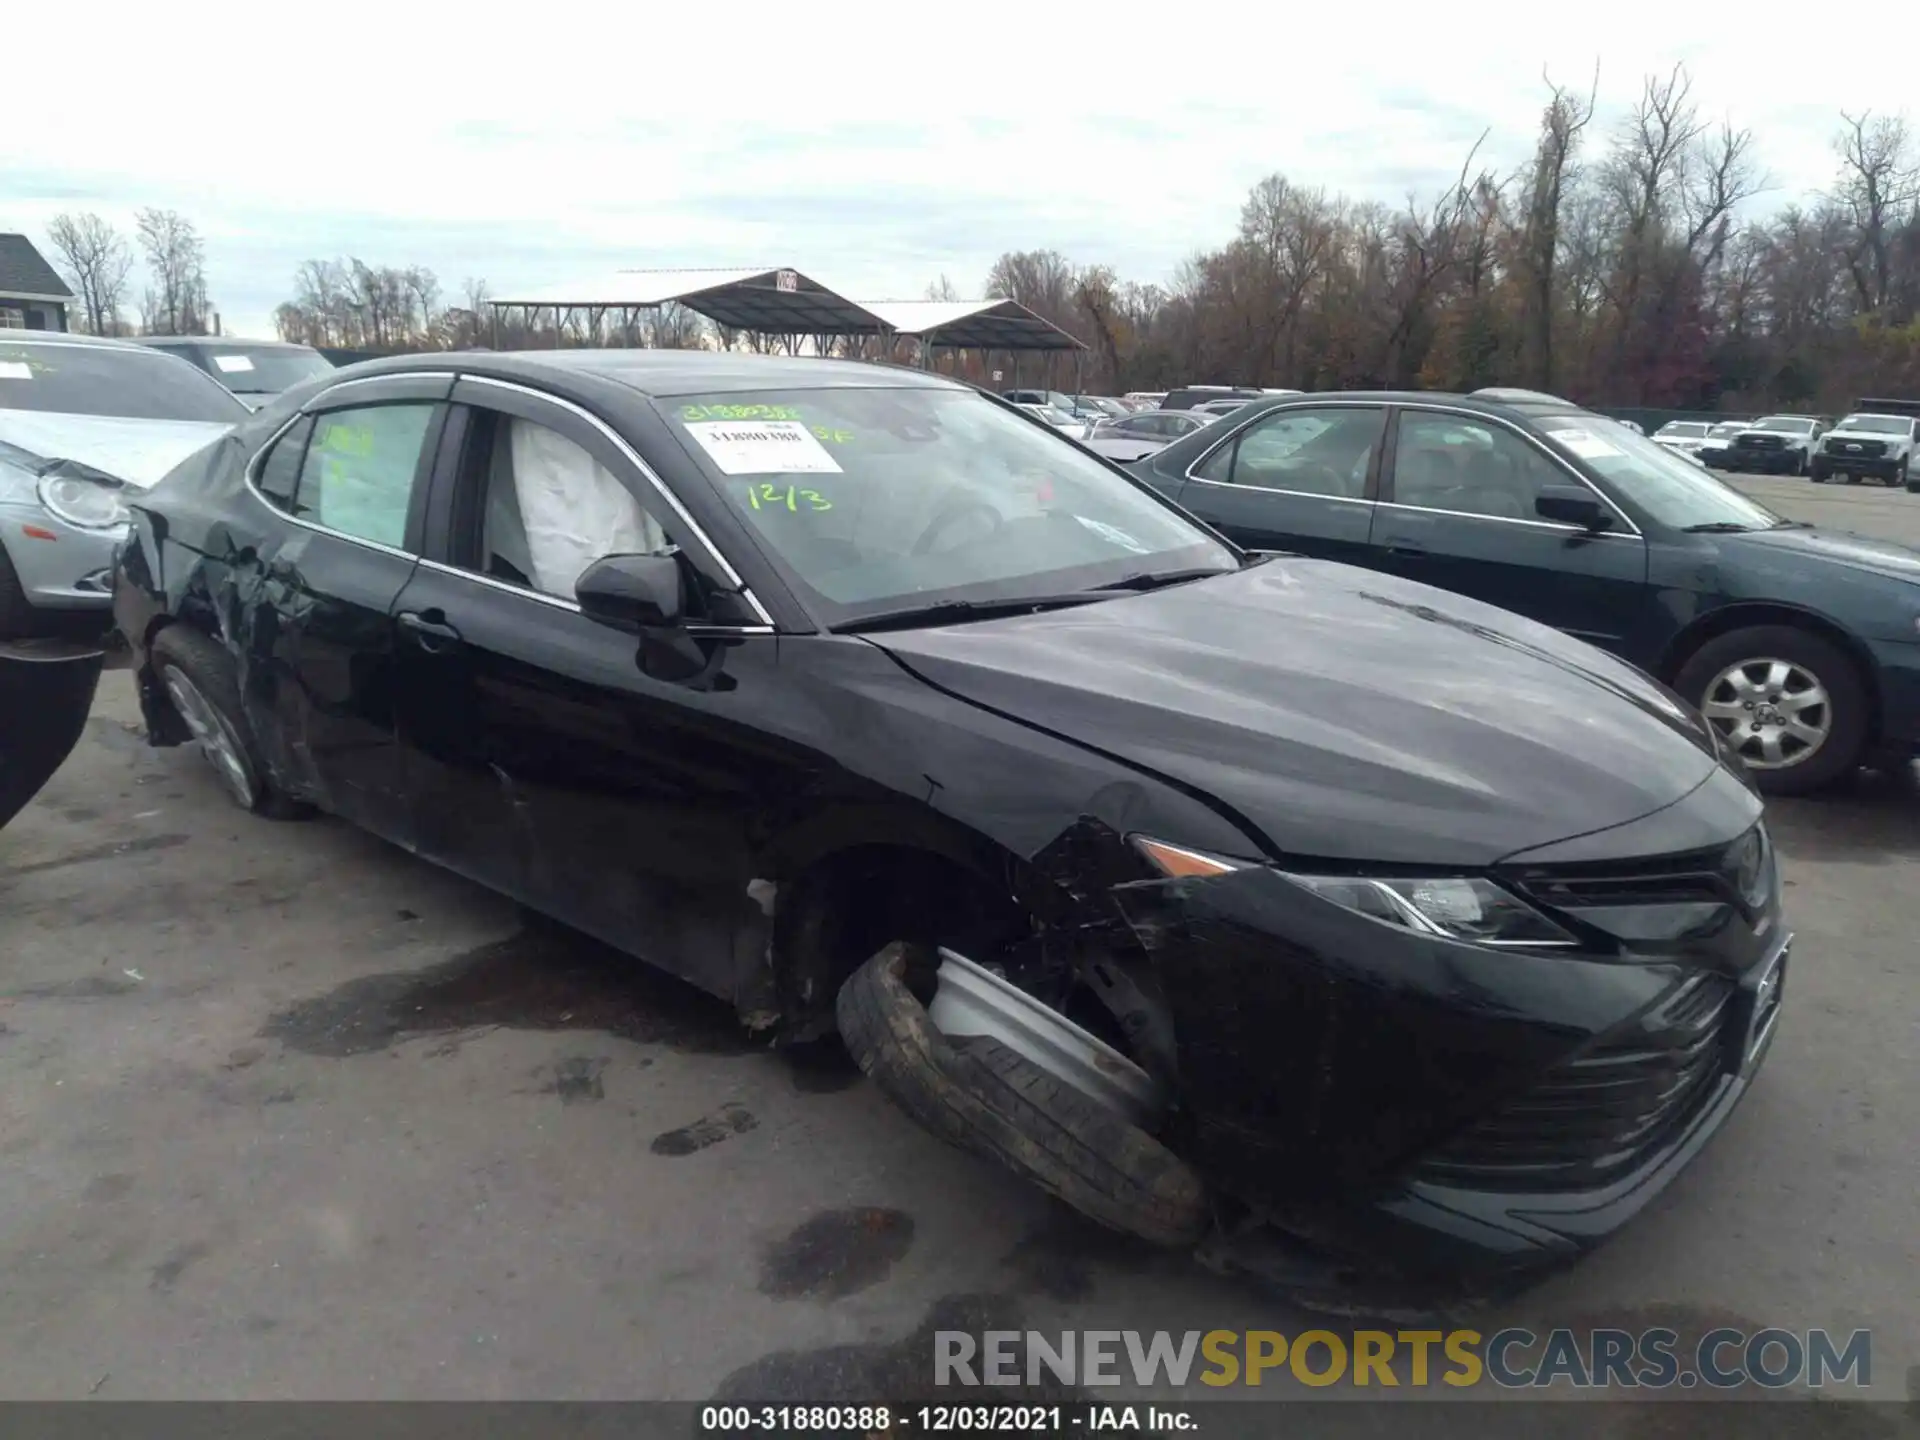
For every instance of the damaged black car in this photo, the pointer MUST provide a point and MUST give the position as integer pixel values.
(1205, 889)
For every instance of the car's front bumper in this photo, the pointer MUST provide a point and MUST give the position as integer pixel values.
(61, 567)
(1447, 1109)
(1716, 458)
(1769, 462)
(1878, 467)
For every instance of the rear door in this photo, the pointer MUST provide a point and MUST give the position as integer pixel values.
(542, 756)
(1457, 511)
(1300, 479)
(351, 476)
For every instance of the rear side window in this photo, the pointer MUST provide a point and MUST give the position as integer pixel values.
(360, 468)
(279, 472)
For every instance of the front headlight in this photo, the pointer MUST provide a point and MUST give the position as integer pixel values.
(83, 504)
(1469, 908)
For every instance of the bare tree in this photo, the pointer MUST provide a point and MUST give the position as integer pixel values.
(1566, 119)
(176, 301)
(942, 289)
(94, 260)
(1879, 179)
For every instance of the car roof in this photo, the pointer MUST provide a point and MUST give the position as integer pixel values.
(175, 342)
(667, 372)
(67, 337)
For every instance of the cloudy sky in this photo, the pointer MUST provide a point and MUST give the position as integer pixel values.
(872, 147)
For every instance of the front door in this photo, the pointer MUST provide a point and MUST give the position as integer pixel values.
(1298, 479)
(351, 476)
(1457, 511)
(543, 757)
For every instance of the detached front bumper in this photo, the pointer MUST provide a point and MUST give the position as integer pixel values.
(1443, 1109)
(61, 567)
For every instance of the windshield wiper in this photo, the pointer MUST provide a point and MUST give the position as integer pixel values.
(1154, 579)
(945, 612)
(1719, 527)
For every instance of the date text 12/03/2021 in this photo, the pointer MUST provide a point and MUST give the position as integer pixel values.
(944, 1419)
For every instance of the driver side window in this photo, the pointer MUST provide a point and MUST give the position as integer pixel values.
(546, 508)
(1451, 462)
(1311, 451)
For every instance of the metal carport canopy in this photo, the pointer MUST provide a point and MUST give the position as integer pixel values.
(769, 302)
(972, 324)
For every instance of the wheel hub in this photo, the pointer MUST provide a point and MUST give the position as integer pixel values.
(1773, 713)
(213, 735)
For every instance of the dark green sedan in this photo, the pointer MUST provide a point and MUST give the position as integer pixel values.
(1801, 645)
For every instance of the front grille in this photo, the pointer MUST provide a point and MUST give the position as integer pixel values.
(1598, 1116)
(1761, 442)
(1871, 449)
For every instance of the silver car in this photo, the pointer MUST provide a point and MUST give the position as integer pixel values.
(83, 420)
(1144, 433)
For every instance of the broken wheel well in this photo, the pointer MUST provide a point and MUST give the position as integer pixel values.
(847, 905)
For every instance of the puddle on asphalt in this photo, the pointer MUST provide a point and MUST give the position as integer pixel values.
(726, 1122)
(836, 1253)
(544, 979)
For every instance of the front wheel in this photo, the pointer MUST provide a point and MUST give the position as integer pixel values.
(1789, 702)
(199, 681)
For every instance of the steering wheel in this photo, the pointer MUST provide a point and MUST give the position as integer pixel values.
(946, 519)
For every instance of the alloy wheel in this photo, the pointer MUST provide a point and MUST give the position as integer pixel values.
(1773, 713)
(214, 735)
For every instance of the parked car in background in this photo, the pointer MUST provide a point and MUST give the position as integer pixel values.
(1144, 399)
(1683, 437)
(1776, 445)
(1796, 644)
(1866, 446)
(1157, 871)
(84, 423)
(1103, 406)
(1633, 425)
(1069, 405)
(1216, 408)
(252, 369)
(1191, 395)
(1061, 420)
(1144, 433)
(1715, 450)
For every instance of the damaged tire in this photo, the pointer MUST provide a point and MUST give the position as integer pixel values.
(979, 1095)
(198, 678)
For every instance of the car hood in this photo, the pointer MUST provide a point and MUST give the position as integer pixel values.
(1340, 714)
(1841, 433)
(137, 452)
(1839, 546)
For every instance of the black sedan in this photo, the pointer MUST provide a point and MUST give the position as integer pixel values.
(1801, 646)
(1185, 882)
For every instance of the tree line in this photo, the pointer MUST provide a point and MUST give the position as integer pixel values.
(1618, 267)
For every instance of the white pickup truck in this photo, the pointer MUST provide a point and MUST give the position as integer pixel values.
(1880, 440)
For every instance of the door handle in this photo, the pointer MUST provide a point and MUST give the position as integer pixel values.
(429, 629)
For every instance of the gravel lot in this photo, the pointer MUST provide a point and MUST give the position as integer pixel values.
(286, 1113)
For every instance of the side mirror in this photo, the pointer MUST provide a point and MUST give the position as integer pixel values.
(633, 592)
(1571, 505)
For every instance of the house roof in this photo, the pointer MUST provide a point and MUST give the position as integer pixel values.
(24, 271)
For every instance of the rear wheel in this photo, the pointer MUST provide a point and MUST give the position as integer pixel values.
(199, 680)
(1789, 702)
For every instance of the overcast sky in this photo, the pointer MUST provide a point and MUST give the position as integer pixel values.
(872, 147)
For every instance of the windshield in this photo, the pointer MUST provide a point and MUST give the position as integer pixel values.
(876, 499)
(1672, 489)
(1876, 424)
(1726, 430)
(265, 371)
(1784, 425)
(1683, 430)
(102, 380)
(1052, 414)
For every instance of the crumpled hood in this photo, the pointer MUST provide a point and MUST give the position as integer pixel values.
(137, 452)
(1883, 557)
(1341, 713)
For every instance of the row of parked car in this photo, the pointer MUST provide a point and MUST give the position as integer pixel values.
(1195, 882)
(1879, 440)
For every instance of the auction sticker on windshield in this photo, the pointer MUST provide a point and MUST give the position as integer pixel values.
(763, 447)
(233, 362)
(15, 370)
(1585, 444)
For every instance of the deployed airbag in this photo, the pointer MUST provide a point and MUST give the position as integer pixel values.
(573, 510)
